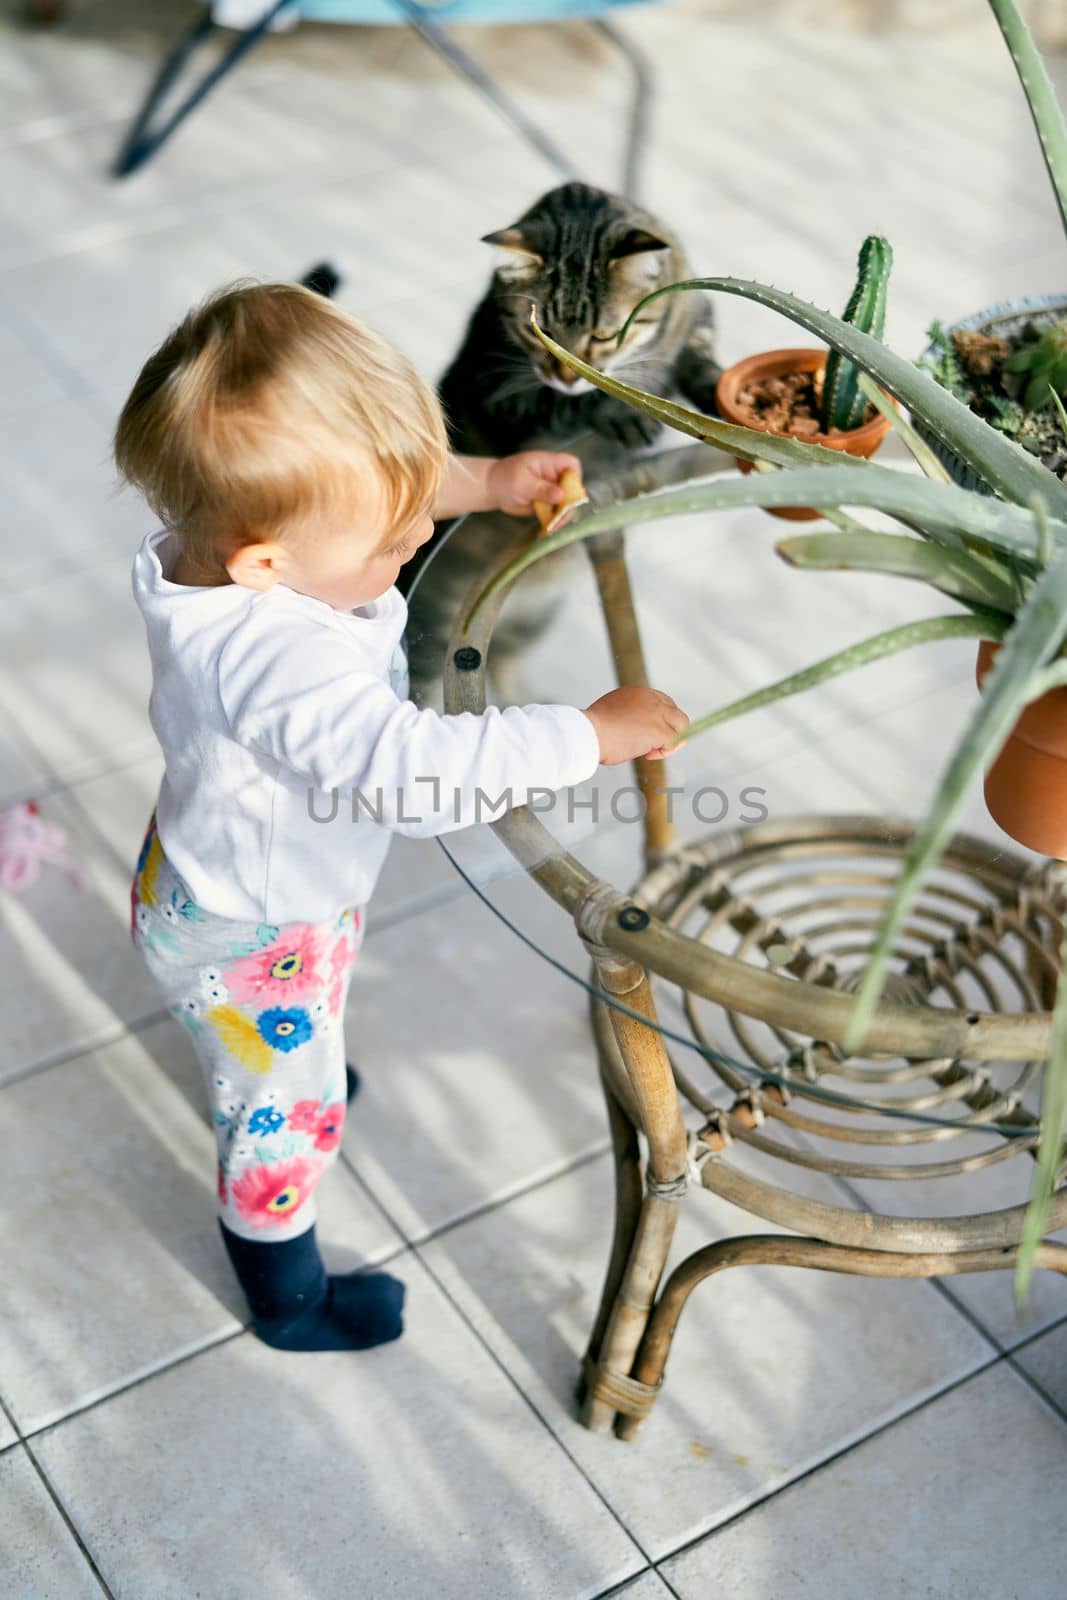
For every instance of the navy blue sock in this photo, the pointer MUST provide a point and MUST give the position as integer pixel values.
(353, 1080)
(297, 1305)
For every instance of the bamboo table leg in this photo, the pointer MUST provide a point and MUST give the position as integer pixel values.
(785, 1251)
(651, 1080)
(616, 598)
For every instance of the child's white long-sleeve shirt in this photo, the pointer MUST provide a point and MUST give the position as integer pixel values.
(274, 710)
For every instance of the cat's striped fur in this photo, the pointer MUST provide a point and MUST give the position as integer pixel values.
(585, 258)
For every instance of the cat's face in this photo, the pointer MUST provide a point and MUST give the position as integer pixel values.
(584, 280)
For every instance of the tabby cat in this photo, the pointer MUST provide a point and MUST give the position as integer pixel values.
(585, 258)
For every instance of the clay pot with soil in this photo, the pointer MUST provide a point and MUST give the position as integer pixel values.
(782, 392)
(996, 362)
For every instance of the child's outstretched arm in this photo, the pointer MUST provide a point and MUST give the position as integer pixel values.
(298, 694)
(505, 483)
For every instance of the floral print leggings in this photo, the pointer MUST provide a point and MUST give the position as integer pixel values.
(264, 1006)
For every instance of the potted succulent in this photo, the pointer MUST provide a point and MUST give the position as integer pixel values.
(1007, 361)
(814, 394)
(998, 549)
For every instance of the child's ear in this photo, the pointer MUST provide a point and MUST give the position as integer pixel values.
(257, 566)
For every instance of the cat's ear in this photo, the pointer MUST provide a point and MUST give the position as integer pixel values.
(515, 261)
(639, 256)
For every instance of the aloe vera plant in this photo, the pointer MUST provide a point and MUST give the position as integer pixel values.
(1001, 555)
(1003, 374)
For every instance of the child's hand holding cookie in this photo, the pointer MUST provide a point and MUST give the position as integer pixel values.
(545, 483)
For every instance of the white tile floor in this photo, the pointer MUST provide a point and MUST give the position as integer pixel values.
(149, 1446)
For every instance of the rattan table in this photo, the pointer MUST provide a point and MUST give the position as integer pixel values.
(720, 985)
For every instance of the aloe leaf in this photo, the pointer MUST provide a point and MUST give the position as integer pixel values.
(1038, 632)
(1061, 409)
(1050, 1146)
(1040, 96)
(752, 444)
(878, 646)
(1039, 510)
(1001, 464)
(952, 571)
(939, 507)
(916, 446)
(1050, 677)
(923, 456)
(839, 519)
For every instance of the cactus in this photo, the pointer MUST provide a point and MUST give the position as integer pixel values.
(843, 403)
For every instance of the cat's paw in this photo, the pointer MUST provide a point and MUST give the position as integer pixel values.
(699, 392)
(623, 425)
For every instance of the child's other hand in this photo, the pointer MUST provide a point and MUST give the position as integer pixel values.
(515, 482)
(635, 721)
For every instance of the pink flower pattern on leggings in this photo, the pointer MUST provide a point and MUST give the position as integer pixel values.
(262, 1003)
(290, 970)
(271, 1192)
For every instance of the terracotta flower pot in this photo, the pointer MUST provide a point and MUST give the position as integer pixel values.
(1026, 787)
(862, 441)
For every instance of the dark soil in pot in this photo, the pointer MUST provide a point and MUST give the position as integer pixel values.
(787, 402)
(968, 360)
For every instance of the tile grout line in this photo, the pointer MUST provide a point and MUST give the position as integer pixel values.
(1037, 1386)
(71, 1528)
(116, 1032)
(530, 1404)
(482, 1208)
(935, 1283)
(142, 1378)
(620, 1591)
(64, 1054)
(391, 1255)
(1038, 1333)
(834, 1456)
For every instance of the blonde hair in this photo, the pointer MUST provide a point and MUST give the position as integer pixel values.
(264, 406)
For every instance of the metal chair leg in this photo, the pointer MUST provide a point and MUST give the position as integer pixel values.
(143, 140)
(415, 15)
(637, 134)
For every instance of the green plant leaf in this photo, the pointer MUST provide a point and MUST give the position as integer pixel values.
(751, 444)
(878, 646)
(1000, 463)
(916, 446)
(1040, 97)
(941, 508)
(1037, 634)
(1061, 410)
(1039, 511)
(954, 572)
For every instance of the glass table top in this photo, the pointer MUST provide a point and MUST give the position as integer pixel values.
(721, 614)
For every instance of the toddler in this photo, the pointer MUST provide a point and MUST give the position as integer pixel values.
(296, 461)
